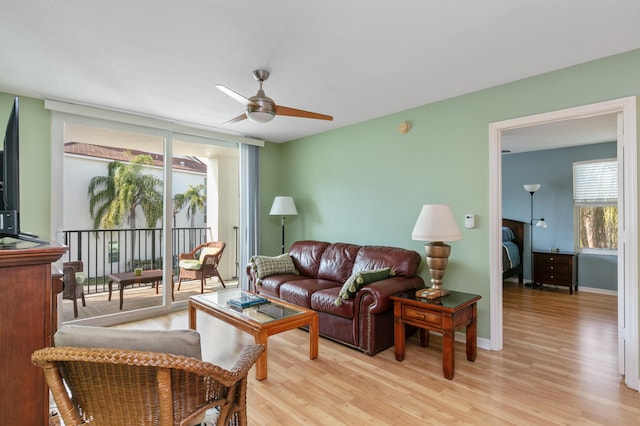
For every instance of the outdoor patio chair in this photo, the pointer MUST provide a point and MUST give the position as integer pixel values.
(74, 279)
(204, 266)
(94, 381)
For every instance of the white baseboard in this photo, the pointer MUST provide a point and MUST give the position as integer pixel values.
(598, 290)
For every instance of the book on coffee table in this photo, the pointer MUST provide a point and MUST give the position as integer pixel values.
(247, 301)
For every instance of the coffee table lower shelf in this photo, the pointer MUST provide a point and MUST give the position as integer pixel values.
(259, 330)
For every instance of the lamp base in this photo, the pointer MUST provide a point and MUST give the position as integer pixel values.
(437, 254)
(430, 293)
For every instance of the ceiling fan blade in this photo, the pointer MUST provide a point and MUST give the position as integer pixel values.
(235, 95)
(235, 120)
(292, 112)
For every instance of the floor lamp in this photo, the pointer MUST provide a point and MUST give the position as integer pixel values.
(531, 188)
(283, 206)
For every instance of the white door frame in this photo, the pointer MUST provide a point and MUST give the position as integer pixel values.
(628, 232)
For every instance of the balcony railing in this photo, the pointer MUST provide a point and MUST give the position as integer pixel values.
(113, 251)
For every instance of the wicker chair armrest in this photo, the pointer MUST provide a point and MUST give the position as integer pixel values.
(247, 357)
(186, 256)
(77, 265)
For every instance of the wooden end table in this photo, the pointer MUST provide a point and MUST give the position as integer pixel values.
(252, 321)
(130, 278)
(444, 315)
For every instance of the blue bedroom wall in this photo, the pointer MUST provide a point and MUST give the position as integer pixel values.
(554, 202)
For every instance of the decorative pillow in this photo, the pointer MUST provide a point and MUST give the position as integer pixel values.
(265, 266)
(208, 251)
(80, 277)
(360, 279)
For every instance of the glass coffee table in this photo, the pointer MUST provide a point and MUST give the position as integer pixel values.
(260, 321)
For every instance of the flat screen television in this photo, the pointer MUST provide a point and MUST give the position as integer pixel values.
(10, 184)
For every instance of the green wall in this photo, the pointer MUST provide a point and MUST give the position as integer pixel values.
(35, 162)
(366, 183)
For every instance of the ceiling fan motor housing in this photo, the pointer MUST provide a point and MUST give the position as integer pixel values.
(264, 109)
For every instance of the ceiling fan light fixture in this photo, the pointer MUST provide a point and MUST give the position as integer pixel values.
(260, 116)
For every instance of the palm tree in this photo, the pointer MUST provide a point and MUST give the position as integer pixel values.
(195, 200)
(113, 199)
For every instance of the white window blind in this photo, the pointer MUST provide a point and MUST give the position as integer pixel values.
(595, 182)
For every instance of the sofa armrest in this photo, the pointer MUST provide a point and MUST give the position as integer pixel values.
(251, 274)
(381, 290)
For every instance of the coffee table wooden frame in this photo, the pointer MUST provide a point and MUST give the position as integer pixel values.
(260, 331)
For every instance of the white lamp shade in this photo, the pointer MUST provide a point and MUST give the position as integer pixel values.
(283, 206)
(532, 187)
(259, 116)
(436, 223)
(541, 224)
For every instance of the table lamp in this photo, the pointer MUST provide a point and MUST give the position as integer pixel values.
(436, 224)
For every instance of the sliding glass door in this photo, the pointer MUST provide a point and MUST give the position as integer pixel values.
(133, 201)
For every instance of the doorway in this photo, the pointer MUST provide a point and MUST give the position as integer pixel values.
(628, 237)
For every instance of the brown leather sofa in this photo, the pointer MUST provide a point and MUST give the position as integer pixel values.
(364, 322)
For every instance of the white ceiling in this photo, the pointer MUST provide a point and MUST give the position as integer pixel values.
(355, 60)
(561, 134)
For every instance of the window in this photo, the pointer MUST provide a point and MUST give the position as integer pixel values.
(595, 203)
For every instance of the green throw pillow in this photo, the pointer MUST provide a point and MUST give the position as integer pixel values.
(359, 279)
(366, 277)
(265, 266)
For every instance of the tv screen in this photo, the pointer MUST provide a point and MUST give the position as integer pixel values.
(10, 185)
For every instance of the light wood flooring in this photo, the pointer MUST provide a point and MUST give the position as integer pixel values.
(558, 367)
(135, 298)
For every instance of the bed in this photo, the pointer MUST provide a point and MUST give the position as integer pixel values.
(512, 246)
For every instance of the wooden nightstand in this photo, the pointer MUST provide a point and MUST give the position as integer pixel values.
(444, 315)
(559, 268)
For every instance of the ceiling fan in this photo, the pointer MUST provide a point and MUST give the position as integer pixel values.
(261, 108)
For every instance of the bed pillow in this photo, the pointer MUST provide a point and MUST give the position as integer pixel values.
(359, 279)
(266, 265)
(507, 234)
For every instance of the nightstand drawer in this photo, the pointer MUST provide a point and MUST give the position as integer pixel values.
(411, 313)
(552, 258)
(554, 268)
(551, 278)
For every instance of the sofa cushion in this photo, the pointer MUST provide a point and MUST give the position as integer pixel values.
(324, 301)
(299, 292)
(404, 262)
(267, 265)
(337, 261)
(359, 279)
(306, 256)
(271, 285)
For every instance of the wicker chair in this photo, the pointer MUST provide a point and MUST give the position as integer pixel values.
(115, 387)
(73, 284)
(202, 267)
